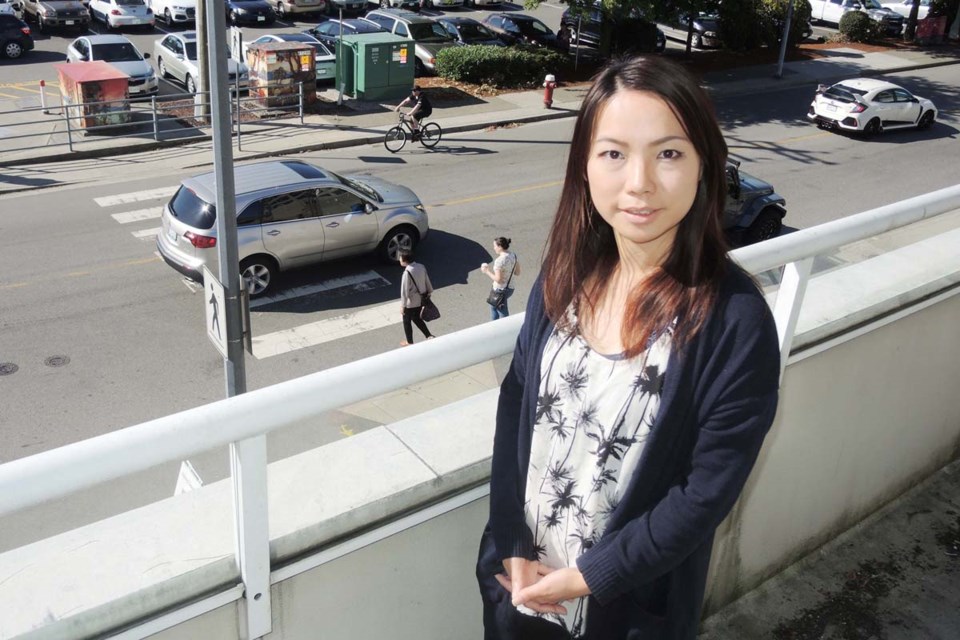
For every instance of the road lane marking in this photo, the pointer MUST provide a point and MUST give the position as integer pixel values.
(135, 196)
(359, 282)
(146, 234)
(314, 333)
(500, 194)
(138, 215)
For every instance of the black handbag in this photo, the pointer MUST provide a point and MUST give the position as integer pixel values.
(496, 296)
(428, 310)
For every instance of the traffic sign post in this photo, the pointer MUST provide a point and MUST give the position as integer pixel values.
(214, 301)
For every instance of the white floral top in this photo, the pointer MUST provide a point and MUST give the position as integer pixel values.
(594, 413)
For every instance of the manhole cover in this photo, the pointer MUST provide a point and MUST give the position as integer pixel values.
(57, 361)
(6, 368)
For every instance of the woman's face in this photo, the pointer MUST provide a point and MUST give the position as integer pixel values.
(496, 247)
(642, 172)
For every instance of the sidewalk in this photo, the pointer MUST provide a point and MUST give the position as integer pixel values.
(367, 125)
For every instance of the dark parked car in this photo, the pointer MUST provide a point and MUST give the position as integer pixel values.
(590, 26)
(15, 36)
(706, 29)
(250, 12)
(327, 32)
(754, 211)
(518, 28)
(468, 31)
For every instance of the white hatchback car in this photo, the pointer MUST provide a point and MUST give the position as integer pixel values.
(869, 105)
(121, 13)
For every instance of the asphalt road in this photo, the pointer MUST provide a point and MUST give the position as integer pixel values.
(76, 284)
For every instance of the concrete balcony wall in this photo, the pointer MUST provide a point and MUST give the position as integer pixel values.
(869, 407)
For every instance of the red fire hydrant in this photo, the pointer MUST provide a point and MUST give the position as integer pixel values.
(549, 84)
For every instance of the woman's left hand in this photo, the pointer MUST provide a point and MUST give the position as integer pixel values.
(556, 586)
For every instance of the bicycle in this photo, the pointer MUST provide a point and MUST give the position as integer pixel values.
(396, 137)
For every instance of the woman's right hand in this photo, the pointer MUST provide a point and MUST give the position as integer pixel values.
(522, 573)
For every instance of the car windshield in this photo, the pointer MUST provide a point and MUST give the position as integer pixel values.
(843, 93)
(192, 211)
(428, 32)
(359, 186)
(871, 4)
(471, 31)
(115, 52)
(129, 3)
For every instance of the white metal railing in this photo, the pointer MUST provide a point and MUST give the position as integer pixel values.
(51, 474)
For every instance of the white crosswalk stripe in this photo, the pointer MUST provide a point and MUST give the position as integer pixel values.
(314, 333)
(146, 234)
(360, 282)
(136, 216)
(136, 196)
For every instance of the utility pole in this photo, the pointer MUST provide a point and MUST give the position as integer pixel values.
(203, 82)
(784, 38)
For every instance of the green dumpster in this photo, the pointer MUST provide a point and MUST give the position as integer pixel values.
(375, 66)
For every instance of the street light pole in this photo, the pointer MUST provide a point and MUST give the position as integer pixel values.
(784, 38)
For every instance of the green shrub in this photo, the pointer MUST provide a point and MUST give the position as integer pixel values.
(739, 20)
(857, 26)
(505, 67)
(773, 13)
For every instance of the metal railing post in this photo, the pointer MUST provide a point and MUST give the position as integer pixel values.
(786, 311)
(156, 127)
(248, 466)
(66, 113)
(239, 147)
(301, 102)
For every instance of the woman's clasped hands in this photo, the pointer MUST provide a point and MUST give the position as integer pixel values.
(539, 587)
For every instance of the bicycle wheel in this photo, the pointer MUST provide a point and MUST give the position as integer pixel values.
(430, 134)
(395, 139)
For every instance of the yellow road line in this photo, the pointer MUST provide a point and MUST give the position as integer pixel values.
(7, 95)
(500, 194)
(80, 274)
(28, 89)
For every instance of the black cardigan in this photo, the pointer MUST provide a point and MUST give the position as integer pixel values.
(648, 572)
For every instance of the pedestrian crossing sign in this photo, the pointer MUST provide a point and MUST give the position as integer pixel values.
(213, 300)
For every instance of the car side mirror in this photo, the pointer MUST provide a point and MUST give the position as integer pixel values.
(369, 208)
(146, 56)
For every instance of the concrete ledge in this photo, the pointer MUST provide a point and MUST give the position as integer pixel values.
(112, 573)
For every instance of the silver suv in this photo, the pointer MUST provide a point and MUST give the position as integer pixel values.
(290, 214)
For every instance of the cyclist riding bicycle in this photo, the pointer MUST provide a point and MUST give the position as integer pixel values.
(421, 108)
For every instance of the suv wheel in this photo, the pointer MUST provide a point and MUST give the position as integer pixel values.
(12, 49)
(401, 238)
(257, 274)
(767, 225)
(167, 17)
(697, 41)
(281, 13)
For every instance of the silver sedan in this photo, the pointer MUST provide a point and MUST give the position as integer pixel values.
(176, 56)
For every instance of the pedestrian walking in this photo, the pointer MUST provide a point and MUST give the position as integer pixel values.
(505, 268)
(643, 383)
(414, 284)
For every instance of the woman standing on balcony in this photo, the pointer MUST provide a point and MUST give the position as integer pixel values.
(642, 385)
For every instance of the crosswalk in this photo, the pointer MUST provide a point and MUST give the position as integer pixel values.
(140, 212)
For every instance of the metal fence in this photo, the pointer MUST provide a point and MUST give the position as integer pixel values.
(145, 117)
(245, 419)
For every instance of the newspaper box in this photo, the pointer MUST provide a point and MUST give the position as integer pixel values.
(95, 94)
(276, 71)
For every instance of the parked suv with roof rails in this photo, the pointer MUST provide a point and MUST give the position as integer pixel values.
(57, 13)
(290, 214)
(645, 37)
(428, 35)
(15, 36)
(753, 212)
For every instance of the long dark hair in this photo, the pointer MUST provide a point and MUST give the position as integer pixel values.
(581, 247)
